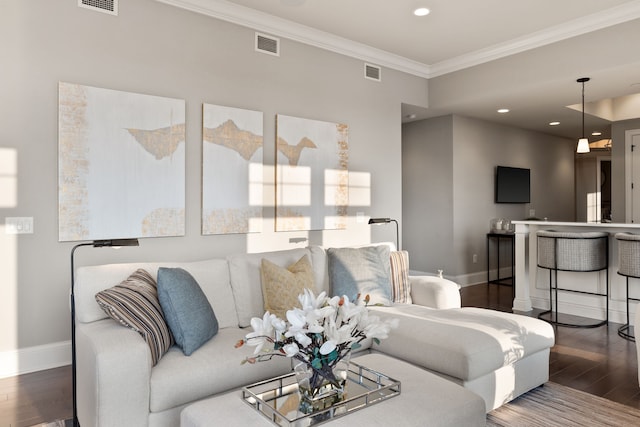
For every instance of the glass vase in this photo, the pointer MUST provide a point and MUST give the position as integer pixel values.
(321, 388)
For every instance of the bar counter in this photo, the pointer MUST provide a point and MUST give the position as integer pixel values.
(532, 283)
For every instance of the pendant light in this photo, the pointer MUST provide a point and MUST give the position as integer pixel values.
(583, 142)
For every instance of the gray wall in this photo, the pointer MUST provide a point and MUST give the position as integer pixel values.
(618, 192)
(458, 213)
(427, 193)
(157, 49)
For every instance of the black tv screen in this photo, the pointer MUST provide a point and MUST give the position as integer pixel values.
(513, 185)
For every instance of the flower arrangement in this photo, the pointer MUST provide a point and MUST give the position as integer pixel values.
(320, 333)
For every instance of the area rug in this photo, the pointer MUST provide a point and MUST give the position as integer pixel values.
(554, 405)
(57, 423)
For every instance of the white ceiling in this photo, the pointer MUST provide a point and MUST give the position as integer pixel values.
(479, 55)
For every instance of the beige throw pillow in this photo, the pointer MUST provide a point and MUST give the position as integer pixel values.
(281, 286)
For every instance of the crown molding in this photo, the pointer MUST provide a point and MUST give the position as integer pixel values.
(597, 21)
(264, 22)
(283, 28)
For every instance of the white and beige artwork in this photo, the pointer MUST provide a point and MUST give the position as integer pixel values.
(312, 178)
(231, 170)
(121, 164)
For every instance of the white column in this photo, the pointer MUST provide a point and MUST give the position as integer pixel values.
(522, 301)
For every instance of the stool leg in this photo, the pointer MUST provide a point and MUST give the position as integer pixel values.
(551, 295)
(607, 295)
(556, 288)
(623, 330)
(628, 324)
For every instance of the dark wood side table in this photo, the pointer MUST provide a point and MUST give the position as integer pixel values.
(501, 237)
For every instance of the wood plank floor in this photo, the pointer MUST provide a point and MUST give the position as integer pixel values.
(35, 398)
(595, 360)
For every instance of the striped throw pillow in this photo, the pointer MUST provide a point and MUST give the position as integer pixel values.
(134, 304)
(400, 277)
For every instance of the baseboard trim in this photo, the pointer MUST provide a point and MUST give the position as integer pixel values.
(465, 280)
(32, 359)
(616, 315)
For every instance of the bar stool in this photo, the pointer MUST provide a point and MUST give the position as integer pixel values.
(575, 252)
(628, 266)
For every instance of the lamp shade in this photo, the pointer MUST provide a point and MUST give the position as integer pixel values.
(583, 145)
(380, 220)
(583, 142)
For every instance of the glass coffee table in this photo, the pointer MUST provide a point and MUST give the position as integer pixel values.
(278, 399)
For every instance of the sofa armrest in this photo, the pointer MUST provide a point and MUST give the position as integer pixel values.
(113, 375)
(434, 292)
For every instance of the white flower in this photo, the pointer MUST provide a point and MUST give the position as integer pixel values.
(349, 310)
(379, 330)
(291, 349)
(262, 332)
(279, 325)
(303, 339)
(309, 302)
(321, 326)
(327, 347)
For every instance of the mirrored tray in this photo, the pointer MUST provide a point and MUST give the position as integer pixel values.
(278, 398)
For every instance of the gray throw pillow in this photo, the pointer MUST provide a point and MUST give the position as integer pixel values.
(363, 271)
(186, 309)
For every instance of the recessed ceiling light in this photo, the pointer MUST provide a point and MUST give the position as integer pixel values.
(421, 11)
(410, 116)
(503, 110)
(554, 123)
(596, 133)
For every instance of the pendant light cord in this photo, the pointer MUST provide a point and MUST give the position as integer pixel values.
(583, 108)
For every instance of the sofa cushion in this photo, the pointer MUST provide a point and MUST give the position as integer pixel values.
(464, 343)
(364, 271)
(212, 276)
(186, 309)
(282, 286)
(400, 285)
(134, 304)
(216, 367)
(244, 270)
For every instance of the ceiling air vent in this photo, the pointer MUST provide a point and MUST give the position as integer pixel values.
(372, 72)
(105, 6)
(267, 44)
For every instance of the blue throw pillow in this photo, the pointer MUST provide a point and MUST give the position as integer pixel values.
(364, 271)
(186, 309)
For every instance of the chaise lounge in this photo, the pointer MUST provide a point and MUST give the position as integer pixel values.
(495, 355)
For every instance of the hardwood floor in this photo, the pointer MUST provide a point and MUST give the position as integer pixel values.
(35, 398)
(595, 360)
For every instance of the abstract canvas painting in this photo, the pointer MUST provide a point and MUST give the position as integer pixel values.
(121, 163)
(312, 178)
(231, 170)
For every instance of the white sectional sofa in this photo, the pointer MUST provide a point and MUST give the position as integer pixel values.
(497, 355)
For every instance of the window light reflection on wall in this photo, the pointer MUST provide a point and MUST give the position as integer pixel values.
(8, 177)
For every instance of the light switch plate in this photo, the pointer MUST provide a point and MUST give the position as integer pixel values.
(18, 225)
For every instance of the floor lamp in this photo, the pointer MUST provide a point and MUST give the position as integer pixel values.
(386, 221)
(116, 243)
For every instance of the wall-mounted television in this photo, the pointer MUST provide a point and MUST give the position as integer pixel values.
(513, 185)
